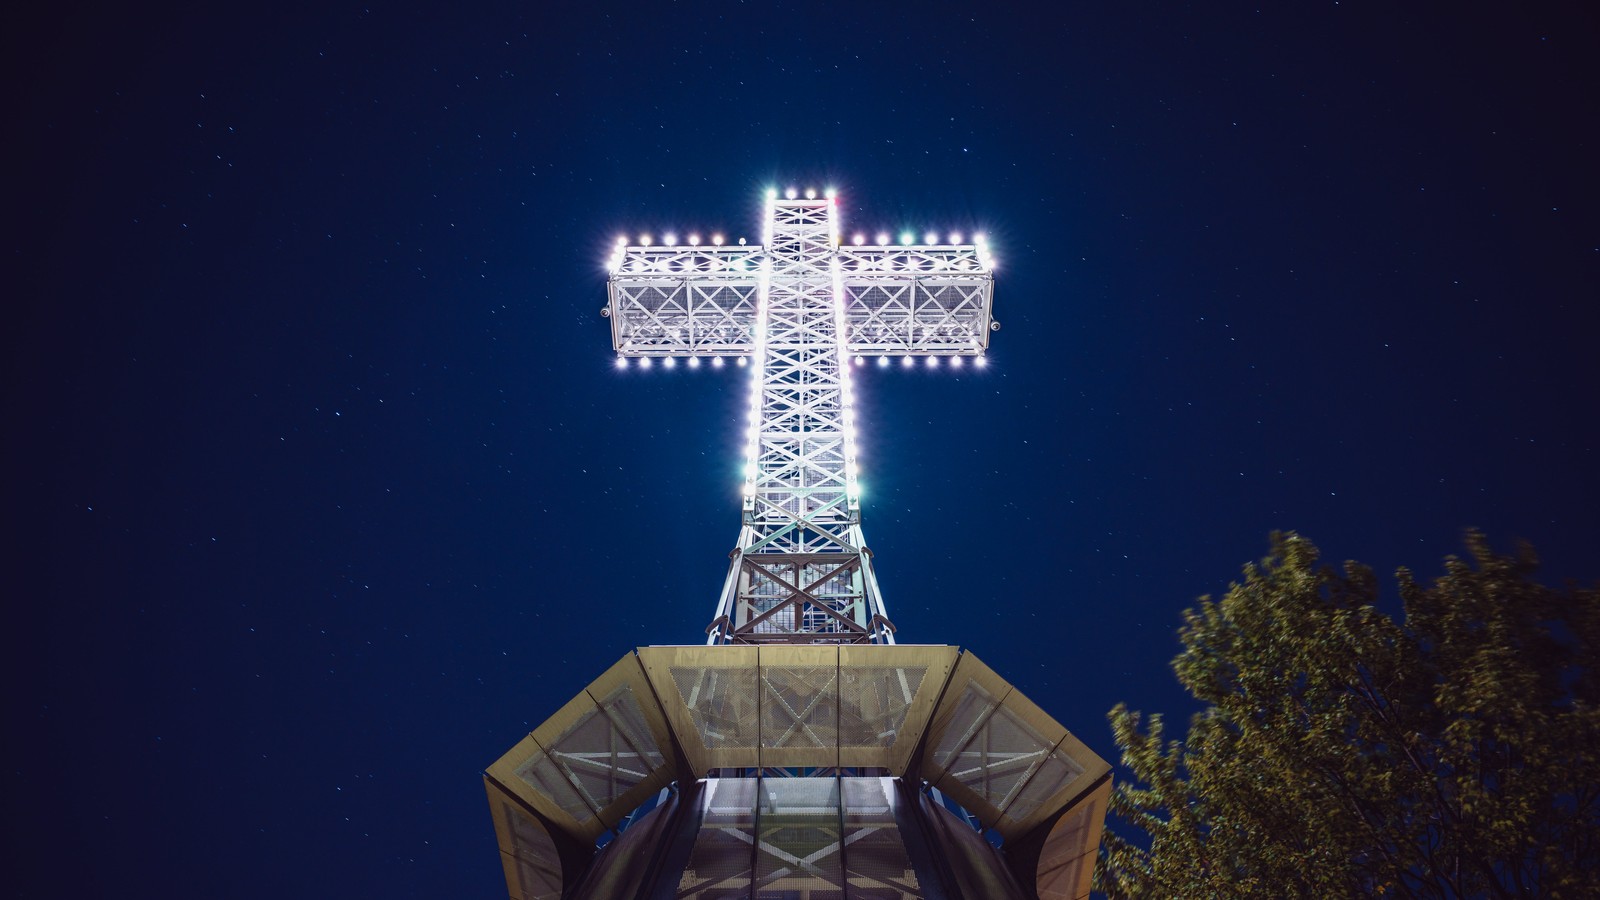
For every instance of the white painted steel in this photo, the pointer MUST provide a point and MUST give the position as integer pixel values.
(799, 306)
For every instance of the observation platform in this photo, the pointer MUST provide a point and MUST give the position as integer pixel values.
(799, 771)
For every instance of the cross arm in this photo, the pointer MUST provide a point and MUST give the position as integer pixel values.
(917, 300)
(683, 300)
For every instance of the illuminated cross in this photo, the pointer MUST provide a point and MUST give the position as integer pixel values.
(798, 309)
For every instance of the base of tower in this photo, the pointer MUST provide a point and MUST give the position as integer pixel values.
(855, 771)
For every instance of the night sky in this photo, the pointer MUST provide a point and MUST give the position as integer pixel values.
(322, 488)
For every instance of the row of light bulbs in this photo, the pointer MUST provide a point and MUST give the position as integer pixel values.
(858, 239)
(906, 362)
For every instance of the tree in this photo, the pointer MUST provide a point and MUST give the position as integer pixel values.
(1340, 753)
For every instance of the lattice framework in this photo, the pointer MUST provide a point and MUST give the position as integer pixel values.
(799, 306)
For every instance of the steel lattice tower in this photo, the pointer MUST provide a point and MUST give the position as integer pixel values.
(803, 753)
(801, 306)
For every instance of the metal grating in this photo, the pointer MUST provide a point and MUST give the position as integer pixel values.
(998, 760)
(606, 752)
(800, 707)
(723, 856)
(799, 838)
(622, 708)
(1054, 773)
(876, 862)
(874, 702)
(599, 760)
(533, 866)
(970, 712)
(542, 774)
(721, 702)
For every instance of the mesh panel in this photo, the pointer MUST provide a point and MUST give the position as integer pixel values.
(538, 867)
(874, 702)
(720, 863)
(722, 703)
(626, 716)
(799, 707)
(970, 712)
(799, 826)
(1000, 758)
(1065, 854)
(1052, 775)
(541, 774)
(875, 853)
(597, 758)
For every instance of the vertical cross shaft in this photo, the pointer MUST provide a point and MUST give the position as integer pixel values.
(800, 572)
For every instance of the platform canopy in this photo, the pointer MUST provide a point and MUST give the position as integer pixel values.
(924, 714)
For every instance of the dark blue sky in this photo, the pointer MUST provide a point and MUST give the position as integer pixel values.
(322, 489)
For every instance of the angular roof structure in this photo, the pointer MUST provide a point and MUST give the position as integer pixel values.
(786, 719)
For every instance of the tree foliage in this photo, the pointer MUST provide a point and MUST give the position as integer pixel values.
(1340, 753)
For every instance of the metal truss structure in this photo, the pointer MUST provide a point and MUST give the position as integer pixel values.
(799, 306)
(804, 754)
